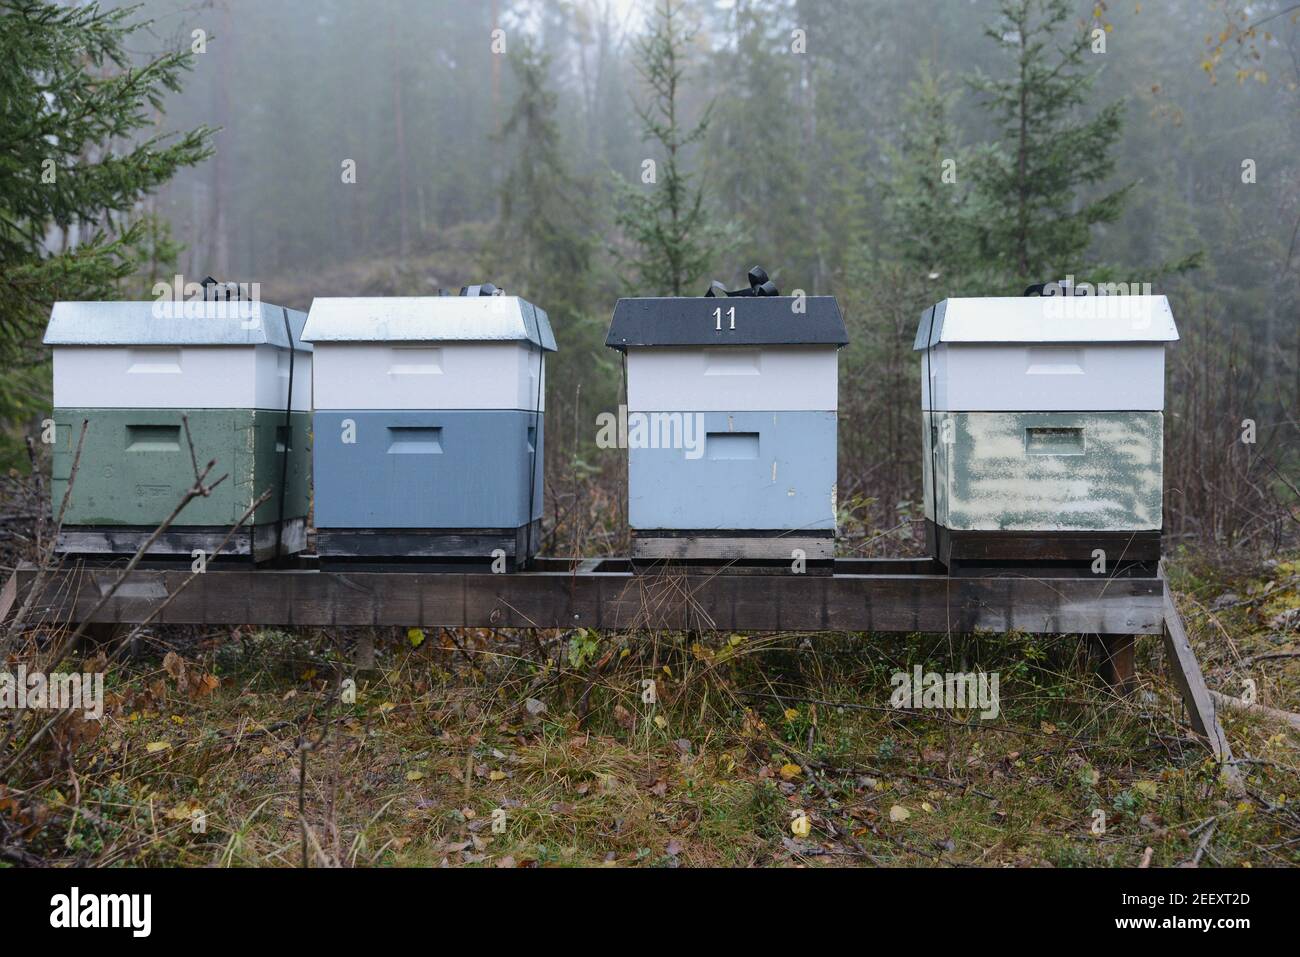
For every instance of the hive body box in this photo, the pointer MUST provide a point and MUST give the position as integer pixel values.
(731, 425)
(134, 371)
(429, 426)
(1043, 427)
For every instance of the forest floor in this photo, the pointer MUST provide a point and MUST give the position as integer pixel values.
(231, 747)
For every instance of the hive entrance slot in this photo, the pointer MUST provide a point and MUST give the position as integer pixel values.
(1054, 441)
(153, 438)
(731, 445)
(414, 440)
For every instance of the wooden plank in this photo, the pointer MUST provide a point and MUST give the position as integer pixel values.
(1186, 671)
(547, 599)
(8, 595)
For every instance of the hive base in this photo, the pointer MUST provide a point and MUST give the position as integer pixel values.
(738, 551)
(968, 550)
(458, 547)
(255, 544)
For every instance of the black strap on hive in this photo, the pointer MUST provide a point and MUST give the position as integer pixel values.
(759, 285)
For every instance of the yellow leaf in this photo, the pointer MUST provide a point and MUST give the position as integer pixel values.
(927, 807)
(790, 771)
(661, 722)
(791, 713)
(496, 775)
(800, 825)
(1047, 728)
(899, 813)
(414, 775)
(153, 747)
(1146, 788)
(415, 636)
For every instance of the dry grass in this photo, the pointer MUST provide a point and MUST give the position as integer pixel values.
(746, 732)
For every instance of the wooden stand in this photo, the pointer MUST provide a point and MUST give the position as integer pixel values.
(862, 595)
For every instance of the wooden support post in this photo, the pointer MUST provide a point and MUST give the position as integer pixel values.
(8, 596)
(1117, 665)
(363, 655)
(1186, 671)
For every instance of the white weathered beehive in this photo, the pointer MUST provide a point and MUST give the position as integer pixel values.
(1043, 434)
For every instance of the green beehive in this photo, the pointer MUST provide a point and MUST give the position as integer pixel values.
(137, 373)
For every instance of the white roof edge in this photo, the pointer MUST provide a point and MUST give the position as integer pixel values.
(428, 319)
(1007, 319)
(173, 322)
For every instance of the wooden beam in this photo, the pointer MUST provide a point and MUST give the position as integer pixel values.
(8, 595)
(607, 595)
(1186, 672)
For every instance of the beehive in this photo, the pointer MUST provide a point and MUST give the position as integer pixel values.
(731, 425)
(1043, 427)
(136, 372)
(429, 426)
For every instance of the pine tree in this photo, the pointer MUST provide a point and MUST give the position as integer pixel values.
(1035, 220)
(72, 103)
(668, 222)
(758, 144)
(540, 227)
(926, 196)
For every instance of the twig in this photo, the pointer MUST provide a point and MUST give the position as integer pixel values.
(1289, 717)
(46, 558)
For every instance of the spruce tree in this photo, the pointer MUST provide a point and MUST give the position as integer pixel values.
(665, 218)
(926, 195)
(1033, 208)
(540, 229)
(70, 161)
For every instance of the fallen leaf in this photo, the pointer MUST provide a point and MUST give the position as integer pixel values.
(153, 747)
(899, 813)
(790, 771)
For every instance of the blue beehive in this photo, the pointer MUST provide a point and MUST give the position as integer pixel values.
(731, 425)
(429, 426)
